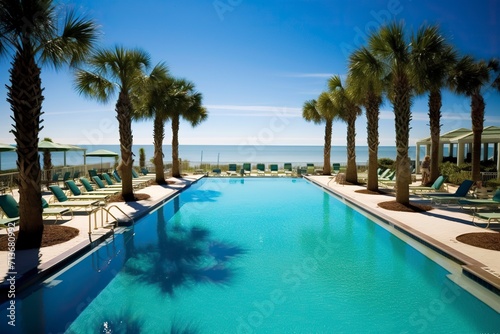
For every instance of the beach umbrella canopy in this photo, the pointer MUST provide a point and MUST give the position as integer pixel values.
(102, 154)
(46, 145)
(5, 148)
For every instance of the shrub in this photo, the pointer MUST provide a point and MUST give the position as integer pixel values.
(386, 163)
(493, 183)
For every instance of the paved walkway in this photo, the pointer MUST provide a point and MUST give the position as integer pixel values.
(437, 228)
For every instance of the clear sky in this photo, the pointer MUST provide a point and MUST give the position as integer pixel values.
(256, 62)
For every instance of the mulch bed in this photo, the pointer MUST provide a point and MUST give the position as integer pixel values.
(412, 207)
(481, 239)
(52, 235)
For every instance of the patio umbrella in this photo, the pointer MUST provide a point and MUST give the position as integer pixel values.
(5, 148)
(102, 154)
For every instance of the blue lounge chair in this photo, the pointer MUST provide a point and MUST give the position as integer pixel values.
(336, 168)
(287, 166)
(261, 169)
(274, 169)
(446, 198)
(480, 203)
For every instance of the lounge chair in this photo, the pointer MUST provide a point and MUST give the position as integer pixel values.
(446, 198)
(216, 172)
(247, 168)
(10, 208)
(274, 169)
(141, 177)
(336, 168)
(261, 169)
(69, 202)
(76, 175)
(480, 203)
(136, 183)
(488, 216)
(287, 166)
(77, 193)
(90, 188)
(60, 196)
(66, 176)
(144, 171)
(389, 180)
(232, 170)
(436, 186)
(100, 185)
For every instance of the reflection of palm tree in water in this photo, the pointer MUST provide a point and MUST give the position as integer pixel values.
(183, 256)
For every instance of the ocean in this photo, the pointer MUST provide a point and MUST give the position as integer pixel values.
(222, 154)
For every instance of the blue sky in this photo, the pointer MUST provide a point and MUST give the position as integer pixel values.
(256, 62)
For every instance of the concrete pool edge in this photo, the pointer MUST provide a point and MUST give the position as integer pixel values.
(39, 272)
(471, 268)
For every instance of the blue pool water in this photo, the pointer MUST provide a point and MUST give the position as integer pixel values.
(253, 256)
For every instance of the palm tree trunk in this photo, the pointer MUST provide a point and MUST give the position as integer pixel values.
(435, 128)
(175, 147)
(25, 98)
(327, 168)
(477, 117)
(402, 115)
(351, 174)
(159, 135)
(124, 116)
(372, 116)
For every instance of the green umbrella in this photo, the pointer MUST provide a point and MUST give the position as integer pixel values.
(102, 154)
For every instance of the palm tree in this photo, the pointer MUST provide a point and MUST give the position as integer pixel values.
(325, 111)
(349, 110)
(365, 80)
(391, 48)
(433, 59)
(109, 70)
(189, 107)
(31, 32)
(469, 77)
(152, 100)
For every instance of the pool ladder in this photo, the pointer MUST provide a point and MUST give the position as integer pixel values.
(107, 223)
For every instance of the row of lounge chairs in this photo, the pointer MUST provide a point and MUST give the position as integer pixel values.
(272, 170)
(86, 197)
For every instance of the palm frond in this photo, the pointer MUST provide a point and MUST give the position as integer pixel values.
(93, 85)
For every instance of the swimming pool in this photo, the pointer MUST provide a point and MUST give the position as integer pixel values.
(234, 255)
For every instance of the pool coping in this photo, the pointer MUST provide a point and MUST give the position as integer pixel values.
(37, 274)
(471, 268)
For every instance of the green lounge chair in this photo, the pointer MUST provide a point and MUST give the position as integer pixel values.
(216, 172)
(101, 185)
(274, 169)
(460, 193)
(63, 200)
(90, 188)
(143, 177)
(231, 170)
(144, 171)
(136, 183)
(480, 203)
(247, 168)
(287, 166)
(11, 209)
(261, 169)
(436, 186)
(77, 193)
(336, 168)
(310, 169)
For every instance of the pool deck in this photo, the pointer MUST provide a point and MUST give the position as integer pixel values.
(436, 229)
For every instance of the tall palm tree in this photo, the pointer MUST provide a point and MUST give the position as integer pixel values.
(433, 60)
(31, 32)
(189, 107)
(470, 77)
(152, 100)
(349, 110)
(111, 70)
(320, 111)
(365, 80)
(392, 49)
